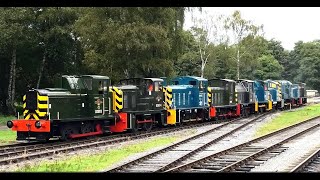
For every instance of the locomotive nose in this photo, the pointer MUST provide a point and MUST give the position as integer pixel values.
(9, 124)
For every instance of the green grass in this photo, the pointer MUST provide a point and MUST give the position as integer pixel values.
(4, 119)
(288, 118)
(93, 163)
(7, 136)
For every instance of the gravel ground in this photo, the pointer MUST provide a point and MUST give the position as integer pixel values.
(296, 152)
(237, 138)
(181, 134)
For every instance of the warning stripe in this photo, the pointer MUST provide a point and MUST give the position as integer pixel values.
(40, 112)
(209, 95)
(117, 99)
(168, 97)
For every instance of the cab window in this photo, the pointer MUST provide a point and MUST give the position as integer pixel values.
(201, 86)
(193, 83)
(100, 87)
(149, 85)
(157, 86)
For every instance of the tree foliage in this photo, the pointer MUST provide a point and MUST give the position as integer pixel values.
(268, 68)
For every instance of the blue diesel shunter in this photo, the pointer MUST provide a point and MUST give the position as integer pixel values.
(262, 95)
(294, 91)
(189, 92)
(187, 96)
(275, 92)
(272, 87)
(285, 87)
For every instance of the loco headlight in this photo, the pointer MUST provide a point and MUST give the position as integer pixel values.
(9, 124)
(38, 124)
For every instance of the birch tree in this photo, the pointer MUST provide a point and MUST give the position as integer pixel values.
(206, 31)
(240, 29)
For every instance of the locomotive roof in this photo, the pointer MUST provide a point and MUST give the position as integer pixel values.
(245, 80)
(155, 79)
(271, 80)
(284, 81)
(152, 79)
(96, 76)
(228, 80)
(193, 77)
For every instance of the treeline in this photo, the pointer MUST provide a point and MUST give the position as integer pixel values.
(39, 44)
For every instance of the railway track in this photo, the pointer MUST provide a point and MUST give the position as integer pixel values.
(310, 164)
(168, 157)
(25, 151)
(244, 157)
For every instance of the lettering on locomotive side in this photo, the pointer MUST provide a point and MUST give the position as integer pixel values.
(98, 111)
(62, 101)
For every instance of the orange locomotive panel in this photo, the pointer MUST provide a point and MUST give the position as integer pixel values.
(121, 125)
(29, 125)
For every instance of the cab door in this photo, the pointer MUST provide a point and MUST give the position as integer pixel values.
(99, 104)
(158, 95)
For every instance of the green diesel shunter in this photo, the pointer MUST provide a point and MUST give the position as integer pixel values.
(79, 106)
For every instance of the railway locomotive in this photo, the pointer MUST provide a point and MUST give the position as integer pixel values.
(87, 105)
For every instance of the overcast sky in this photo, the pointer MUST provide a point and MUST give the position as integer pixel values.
(285, 24)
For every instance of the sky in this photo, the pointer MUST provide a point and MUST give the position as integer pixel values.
(286, 24)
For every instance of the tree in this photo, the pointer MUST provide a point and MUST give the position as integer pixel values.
(307, 68)
(279, 53)
(269, 68)
(240, 29)
(205, 31)
(13, 28)
(51, 25)
(130, 42)
(188, 62)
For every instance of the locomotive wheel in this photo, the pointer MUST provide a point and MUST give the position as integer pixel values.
(147, 126)
(135, 127)
(246, 114)
(86, 128)
(66, 131)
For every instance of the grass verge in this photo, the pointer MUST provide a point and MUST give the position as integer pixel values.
(7, 136)
(97, 162)
(4, 119)
(289, 118)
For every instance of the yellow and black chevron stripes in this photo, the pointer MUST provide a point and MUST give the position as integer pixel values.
(41, 110)
(117, 99)
(209, 95)
(168, 97)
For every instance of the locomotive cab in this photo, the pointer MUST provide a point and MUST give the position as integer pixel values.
(302, 93)
(223, 92)
(142, 104)
(148, 94)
